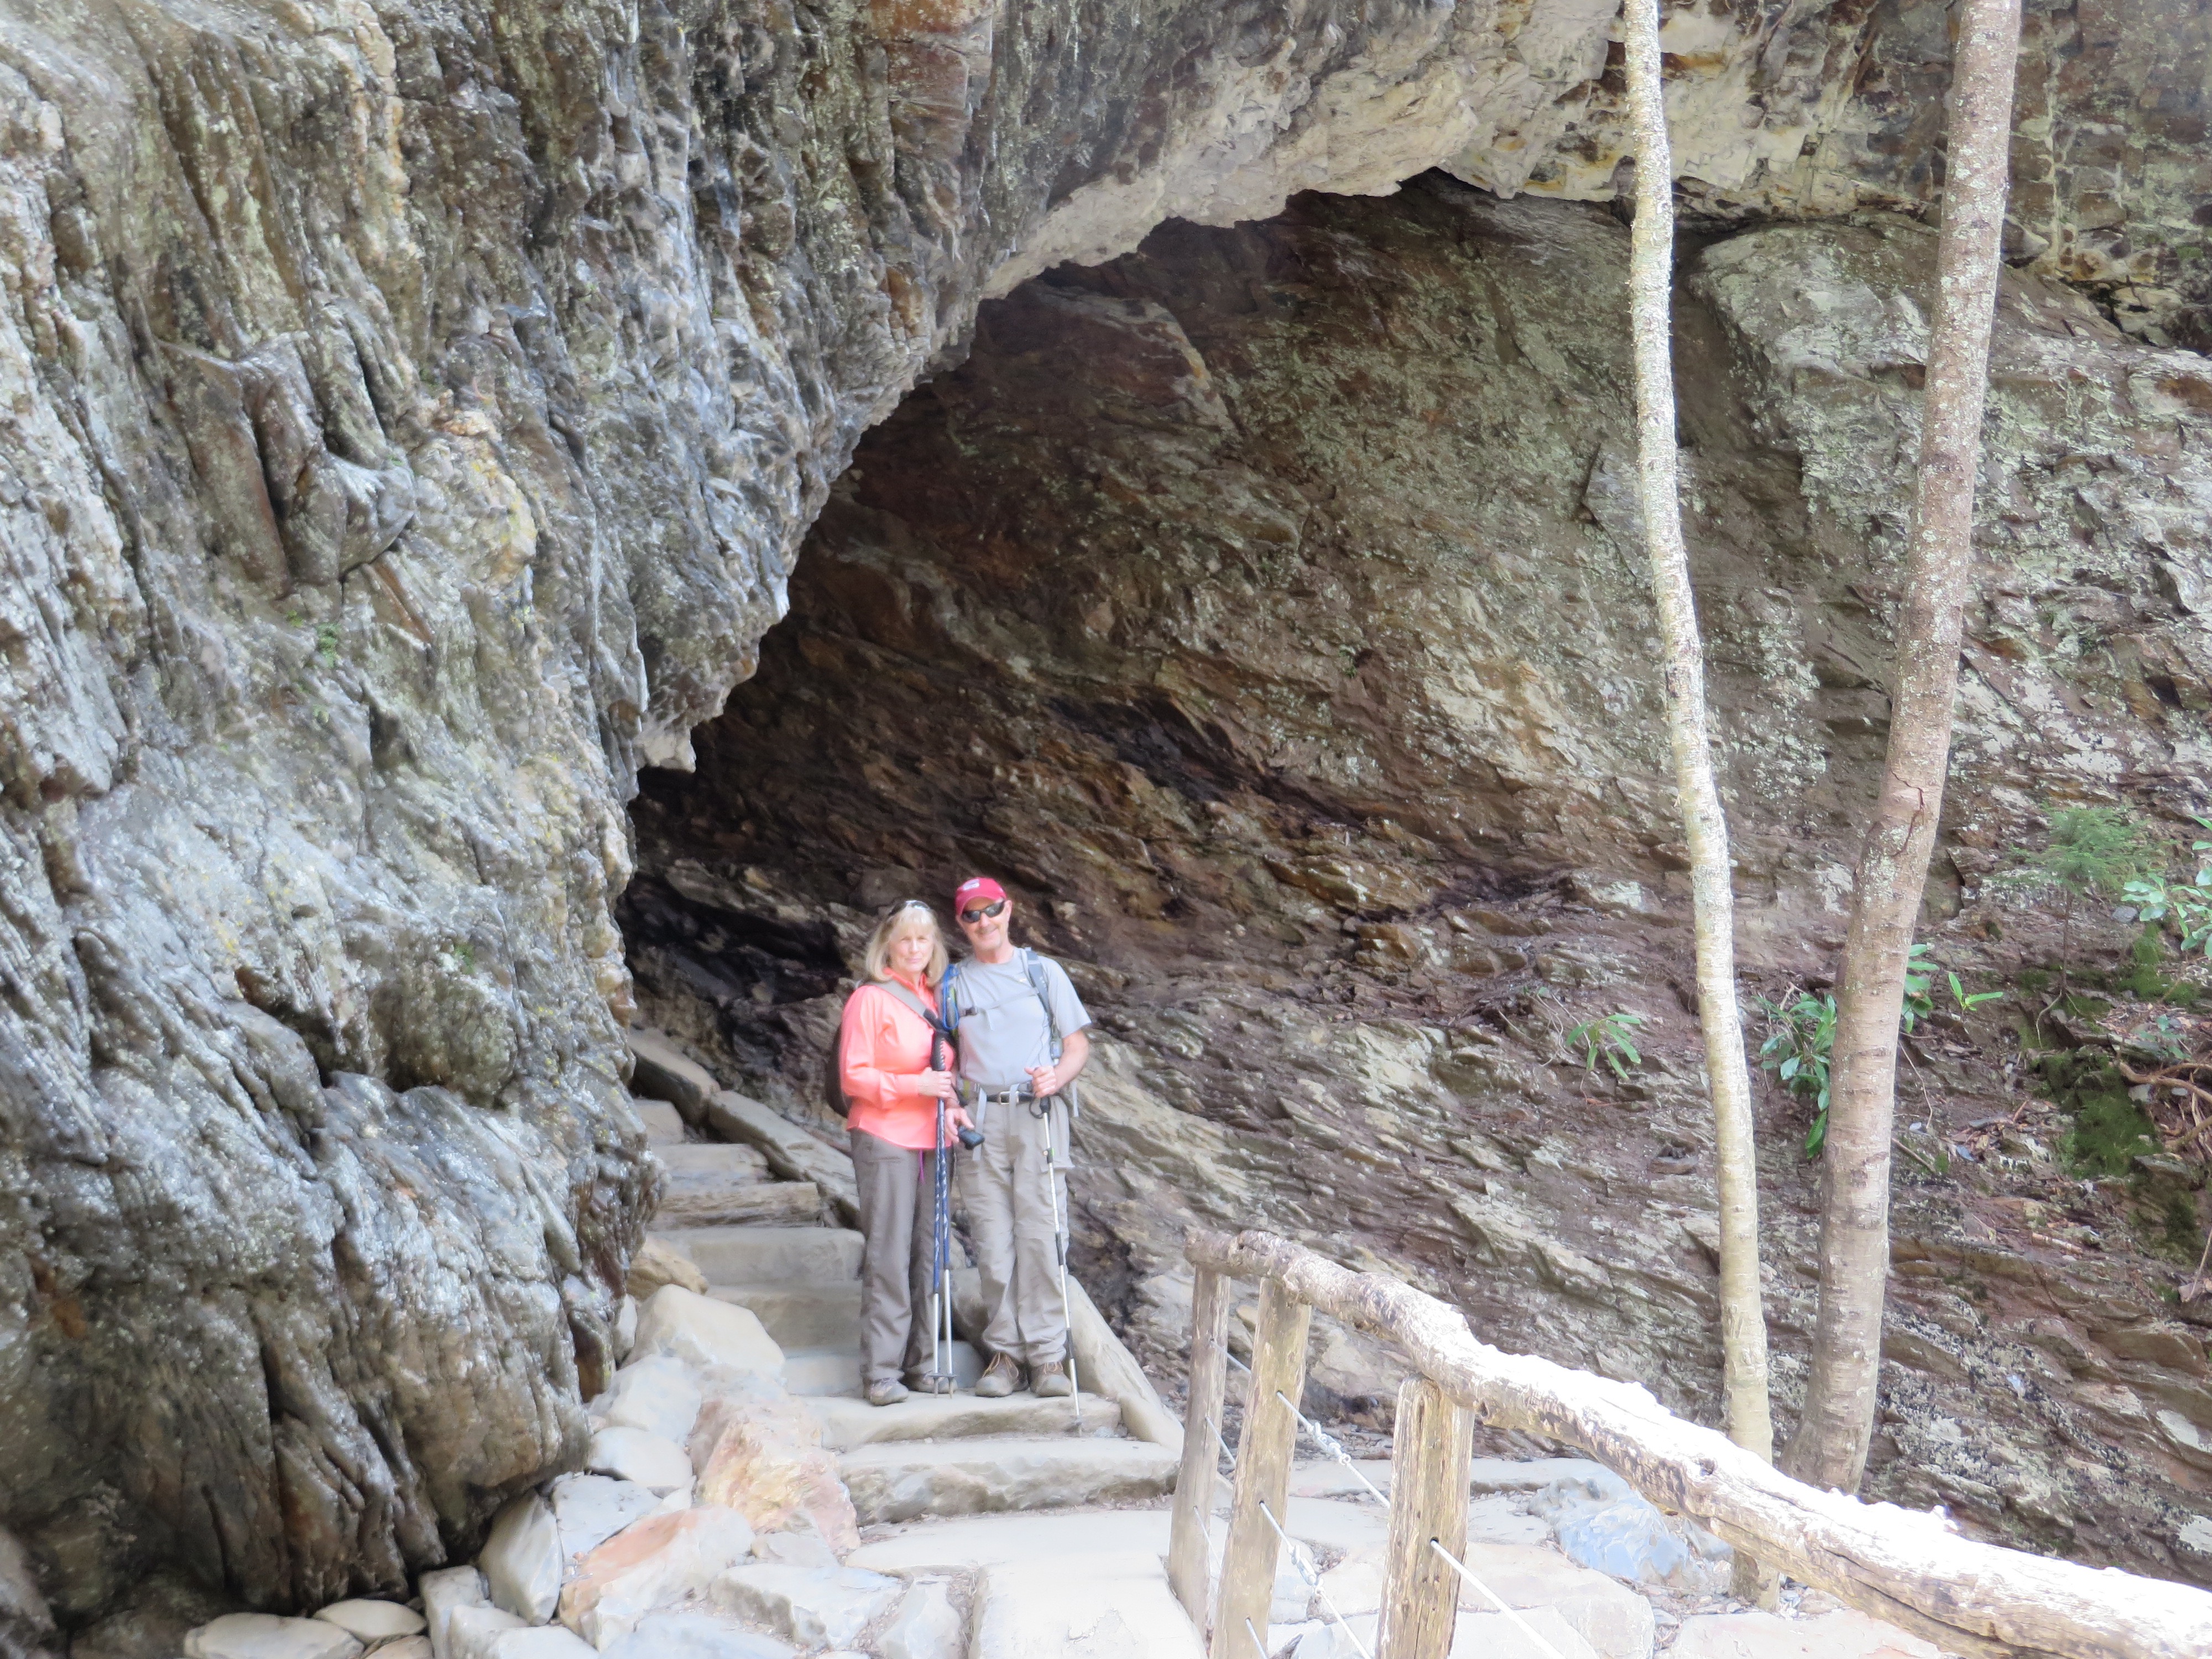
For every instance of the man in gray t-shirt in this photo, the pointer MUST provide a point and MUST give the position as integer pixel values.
(1012, 1185)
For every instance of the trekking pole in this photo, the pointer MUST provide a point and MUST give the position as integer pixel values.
(1060, 1245)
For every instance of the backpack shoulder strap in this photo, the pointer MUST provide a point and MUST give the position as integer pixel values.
(910, 999)
(1033, 967)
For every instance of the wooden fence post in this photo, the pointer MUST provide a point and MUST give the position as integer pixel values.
(1201, 1451)
(1429, 1474)
(1263, 1473)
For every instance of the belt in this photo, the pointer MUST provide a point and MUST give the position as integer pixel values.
(1005, 1097)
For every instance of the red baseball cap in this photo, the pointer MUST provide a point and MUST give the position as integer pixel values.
(976, 890)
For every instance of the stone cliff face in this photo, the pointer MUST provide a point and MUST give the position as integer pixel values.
(1267, 608)
(412, 415)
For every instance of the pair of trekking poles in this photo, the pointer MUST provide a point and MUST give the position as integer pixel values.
(942, 1379)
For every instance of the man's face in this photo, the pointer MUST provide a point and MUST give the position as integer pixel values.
(986, 932)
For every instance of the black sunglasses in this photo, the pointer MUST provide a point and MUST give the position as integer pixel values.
(971, 917)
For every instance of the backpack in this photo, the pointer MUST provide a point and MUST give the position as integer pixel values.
(833, 1062)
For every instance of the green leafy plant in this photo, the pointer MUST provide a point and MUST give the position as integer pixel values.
(2185, 906)
(1610, 1039)
(326, 643)
(1800, 1034)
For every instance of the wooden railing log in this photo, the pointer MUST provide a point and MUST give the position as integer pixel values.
(1264, 1451)
(1903, 1565)
(1434, 1445)
(1201, 1452)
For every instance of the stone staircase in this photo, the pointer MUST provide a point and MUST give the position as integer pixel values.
(760, 1245)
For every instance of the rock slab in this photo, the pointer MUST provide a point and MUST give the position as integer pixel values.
(264, 1636)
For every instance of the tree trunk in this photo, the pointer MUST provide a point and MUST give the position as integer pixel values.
(1651, 277)
(1830, 1447)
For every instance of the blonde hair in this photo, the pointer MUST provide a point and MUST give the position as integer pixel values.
(906, 917)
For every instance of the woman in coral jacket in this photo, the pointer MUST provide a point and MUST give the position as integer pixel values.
(884, 1048)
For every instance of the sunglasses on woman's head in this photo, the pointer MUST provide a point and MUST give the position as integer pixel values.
(971, 917)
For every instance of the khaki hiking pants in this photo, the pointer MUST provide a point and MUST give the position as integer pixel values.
(1002, 1187)
(897, 1194)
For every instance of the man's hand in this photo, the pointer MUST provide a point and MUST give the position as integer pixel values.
(1044, 1081)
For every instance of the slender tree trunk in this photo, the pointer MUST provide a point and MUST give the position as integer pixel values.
(1830, 1447)
(1651, 281)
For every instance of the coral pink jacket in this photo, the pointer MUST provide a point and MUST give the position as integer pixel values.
(883, 1047)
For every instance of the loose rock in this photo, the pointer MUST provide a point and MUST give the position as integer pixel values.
(656, 1265)
(710, 1334)
(445, 1593)
(473, 1632)
(927, 1625)
(763, 1457)
(521, 1559)
(650, 1565)
(373, 1621)
(656, 1464)
(590, 1508)
(660, 1395)
(695, 1636)
(814, 1606)
(264, 1636)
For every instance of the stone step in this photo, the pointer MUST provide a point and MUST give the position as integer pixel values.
(766, 1255)
(717, 1200)
(812, 1371)
(1081, 1606)
(900, 1480)
(849, 1423)
(708, 1159)
(822, 1313)
(664, 1124)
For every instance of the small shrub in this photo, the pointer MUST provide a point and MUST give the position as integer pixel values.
(1610, 1038)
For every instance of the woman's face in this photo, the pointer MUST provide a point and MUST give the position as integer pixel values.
(911, 951)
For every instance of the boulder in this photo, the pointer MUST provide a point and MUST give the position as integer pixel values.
(712, 1335)
(763, 1458)
(521, 1559)
(405, 1647)
(657, 1264)
(653, 1564)
(373, 1621)
(625, 1329)
(265, 1636)
(660, 1395)
(689, 1635)
(927, 1625)
(814, 1606)
(444, 1593)
(590, 1508)
(473, 1632)
(650, 1460)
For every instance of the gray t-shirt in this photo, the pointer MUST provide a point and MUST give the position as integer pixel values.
(1003, 1030)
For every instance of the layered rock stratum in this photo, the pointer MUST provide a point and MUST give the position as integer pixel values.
(412, 415)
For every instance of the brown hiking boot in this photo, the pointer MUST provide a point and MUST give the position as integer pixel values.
(1049, 1381)
(886, 1391)
(1000, 1378)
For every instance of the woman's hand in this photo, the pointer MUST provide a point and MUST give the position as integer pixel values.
(936, 1085)
(959, 1118)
